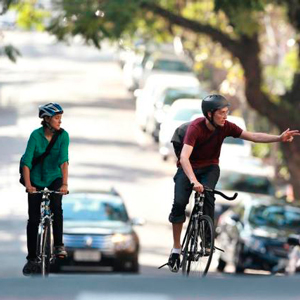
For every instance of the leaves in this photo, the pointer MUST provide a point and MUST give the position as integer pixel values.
(11, 52)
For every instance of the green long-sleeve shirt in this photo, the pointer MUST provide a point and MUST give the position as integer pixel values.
(43, 174)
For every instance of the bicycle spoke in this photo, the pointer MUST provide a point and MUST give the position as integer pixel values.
(200, 248)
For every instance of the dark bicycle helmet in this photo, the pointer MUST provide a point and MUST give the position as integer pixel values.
(50, 110)
(212, 103)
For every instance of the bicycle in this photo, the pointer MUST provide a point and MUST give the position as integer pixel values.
(198, 242)
(45, 247)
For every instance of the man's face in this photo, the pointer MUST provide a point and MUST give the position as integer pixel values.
(220, 116)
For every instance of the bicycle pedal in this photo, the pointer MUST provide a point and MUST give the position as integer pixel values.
(219, 249)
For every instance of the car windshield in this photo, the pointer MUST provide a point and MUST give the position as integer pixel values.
(275, 216)
(171, 95)
(245, 183)
(185, 114)
(233, 141)
(86, 208)
(171, 65)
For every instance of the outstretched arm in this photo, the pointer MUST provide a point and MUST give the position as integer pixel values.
(258, 137)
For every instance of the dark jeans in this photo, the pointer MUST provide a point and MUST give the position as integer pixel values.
(207, 176)
(34, 213)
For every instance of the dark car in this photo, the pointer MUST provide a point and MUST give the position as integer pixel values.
(98, 233)
(242, 182)
(253, 233)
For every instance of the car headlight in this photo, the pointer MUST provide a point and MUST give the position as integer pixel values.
(256, 245)
(123, 242)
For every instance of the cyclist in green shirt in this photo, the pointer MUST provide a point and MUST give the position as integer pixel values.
(51, 173)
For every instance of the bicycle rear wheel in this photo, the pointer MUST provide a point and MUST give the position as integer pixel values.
(199, 248)
(46, 249)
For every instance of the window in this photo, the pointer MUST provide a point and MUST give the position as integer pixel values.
(275, 216)
(89, 209)
(171, 65)
(245, 183)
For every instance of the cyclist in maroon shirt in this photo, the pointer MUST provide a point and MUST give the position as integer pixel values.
(198, 165)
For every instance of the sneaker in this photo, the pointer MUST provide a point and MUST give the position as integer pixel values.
(31, 267)
(60, 251)
(174, 262)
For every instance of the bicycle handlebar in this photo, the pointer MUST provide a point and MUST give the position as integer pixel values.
(48, 191)
(207, 189)
(224, 196)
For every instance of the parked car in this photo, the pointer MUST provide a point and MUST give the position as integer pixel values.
(233, 147)
(253, 233)
(163, 103)
(98, 232)
(242, 181)
(156, 84)
(181, 111)
(163, 63)
(134, 64)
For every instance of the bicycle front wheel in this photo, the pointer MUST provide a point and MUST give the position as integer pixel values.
(46, 249)
(199, 248)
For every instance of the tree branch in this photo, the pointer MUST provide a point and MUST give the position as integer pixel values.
(233, 46)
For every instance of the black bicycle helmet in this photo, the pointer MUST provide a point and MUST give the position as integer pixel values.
(212, 103)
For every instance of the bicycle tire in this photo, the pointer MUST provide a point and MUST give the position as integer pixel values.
(46, 249)
(199, 248)
(185, 251)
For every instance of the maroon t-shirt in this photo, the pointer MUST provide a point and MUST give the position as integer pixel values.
(206, 152)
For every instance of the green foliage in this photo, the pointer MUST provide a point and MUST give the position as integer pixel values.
(11, 52)
(29, 15)
(242, 15)
(246, 5)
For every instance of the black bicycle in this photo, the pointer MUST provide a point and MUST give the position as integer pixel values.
(198, 243)
(45, 247)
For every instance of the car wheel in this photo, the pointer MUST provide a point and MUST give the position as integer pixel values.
(131, 266)
(221, 265)
(134, 267)
(238, 259)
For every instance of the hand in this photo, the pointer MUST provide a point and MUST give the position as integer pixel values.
(30, 189)
(198, 187)
(64, 189)
(288, 135)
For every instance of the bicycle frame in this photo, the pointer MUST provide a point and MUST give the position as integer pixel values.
(198, 241)
(197, 212)
(45, 251)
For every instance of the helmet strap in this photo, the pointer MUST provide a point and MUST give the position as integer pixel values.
(50, 127)
(211, 119)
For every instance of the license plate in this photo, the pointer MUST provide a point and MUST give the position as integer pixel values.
(87, 255)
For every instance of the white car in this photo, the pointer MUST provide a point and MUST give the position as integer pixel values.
(164, 102)
(156, 84)
(162, 63)
(181, 111)
(233, 147)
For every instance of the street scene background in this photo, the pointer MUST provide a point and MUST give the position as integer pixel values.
(106, 150)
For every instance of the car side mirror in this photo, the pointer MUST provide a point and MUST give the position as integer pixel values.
(293, 240)
(138, 221)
